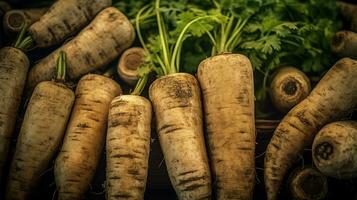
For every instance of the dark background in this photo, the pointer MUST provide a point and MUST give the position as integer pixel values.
(158, 184)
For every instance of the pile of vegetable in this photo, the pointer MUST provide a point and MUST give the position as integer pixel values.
(92, 82)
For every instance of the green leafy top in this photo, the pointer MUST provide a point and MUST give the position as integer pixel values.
(164, 47)
(272, 33)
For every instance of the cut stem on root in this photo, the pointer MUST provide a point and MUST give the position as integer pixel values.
(61, 67)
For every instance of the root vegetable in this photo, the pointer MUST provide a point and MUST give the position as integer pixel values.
(334, 150)
(99, 43)
(289, 87)
(228, 99)
(85, 136)
(334, 96)
(128, 147)
(344, 44)
(349, 13)
(308, 184)
(14, 65)
(65, 18)
(176, 99)
(177, 105)
(129, 64)
(14, 19)
(41, 133)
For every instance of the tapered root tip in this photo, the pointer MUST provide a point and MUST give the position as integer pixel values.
(323, 151)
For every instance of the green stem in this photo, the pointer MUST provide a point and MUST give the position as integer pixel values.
(26, 43)
(61, 67)
(20, 37)
(162, 65)
(230, 44)
(223, 40)
(175, 59)
(138, 28)
(140, 85)
(163, 37)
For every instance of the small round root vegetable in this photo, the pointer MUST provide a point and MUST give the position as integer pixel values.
(128, 147)
(14, 19)
(228, 98)
(41, 133)
(334, 150)
(349, 13)
(177, 105)
(344, 44)
(307, 184)
(334, 96)
(14, 65)
(85, 136)
(109, 34)
(288, 88)
(65, 18)
(129, 64)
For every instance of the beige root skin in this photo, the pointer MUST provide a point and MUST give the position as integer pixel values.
(128, 147)
(333, 97)
(129, 64)
(334, 150)
(228, 98)
(177, 104)
(109, 34)
(349, 13)
(307, 184)
(85, 136)
(288, 88)
(41, 133)
(344, 44)
(14, 19)
(63, 19)
(14, 65)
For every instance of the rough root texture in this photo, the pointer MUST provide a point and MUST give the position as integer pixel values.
(334, 150)
(333, 97)
(41, 133)
(177, 104)
(109, 34)
(129, 64)
(85, 136)
(63, 19)
(13, 19)
(128, 147)
(228, 98)
(288, 88)
(14, 65)
(344, 44)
